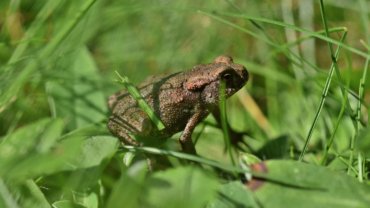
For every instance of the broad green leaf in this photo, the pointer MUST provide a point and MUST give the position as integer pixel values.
(83, 171)
(25, 194)
(34, 150)
(90, 103)
(274, 149)
(86, 199)
(129, 188)
(180, 187)
(78, 97)
(38, 136)
(295, 184)
(87, 167)
(233, 194)
(67, 204)
(94, 150)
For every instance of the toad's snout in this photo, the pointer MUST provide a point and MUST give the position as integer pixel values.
(244, 75)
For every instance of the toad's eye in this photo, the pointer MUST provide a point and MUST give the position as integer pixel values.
(227, 77)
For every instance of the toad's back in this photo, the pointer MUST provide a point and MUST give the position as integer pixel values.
(166, 96)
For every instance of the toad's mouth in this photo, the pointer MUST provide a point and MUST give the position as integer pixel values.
(230, 91)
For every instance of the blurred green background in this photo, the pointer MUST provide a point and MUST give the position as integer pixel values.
(57, 63)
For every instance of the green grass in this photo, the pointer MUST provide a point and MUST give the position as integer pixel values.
(305, 108)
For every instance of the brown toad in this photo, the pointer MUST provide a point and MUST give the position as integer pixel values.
(180, 100)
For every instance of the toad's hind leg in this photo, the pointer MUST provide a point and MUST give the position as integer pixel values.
(116, 126)
(132, 121)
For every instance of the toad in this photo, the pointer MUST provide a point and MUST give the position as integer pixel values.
(181, 101)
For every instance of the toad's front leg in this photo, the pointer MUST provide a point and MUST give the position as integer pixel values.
(185, 139)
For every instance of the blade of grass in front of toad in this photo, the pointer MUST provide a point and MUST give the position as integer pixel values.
(134, 92)
(223, 120)
(184, 156)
